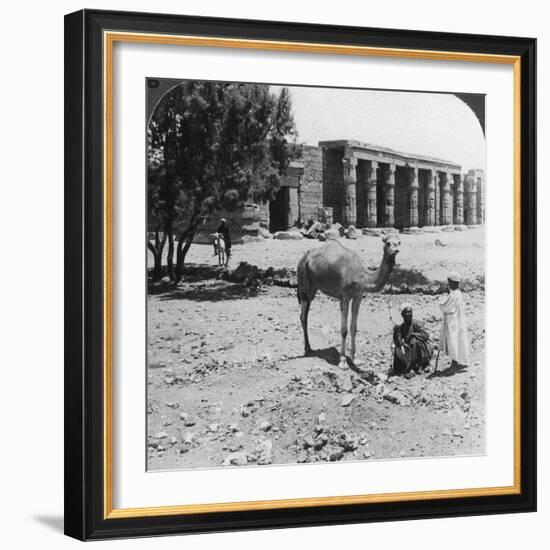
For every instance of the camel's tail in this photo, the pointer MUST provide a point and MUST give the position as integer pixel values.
(304, 279)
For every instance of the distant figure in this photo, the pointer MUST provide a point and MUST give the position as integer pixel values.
(454, 340)
(412, 347)
(223, 229)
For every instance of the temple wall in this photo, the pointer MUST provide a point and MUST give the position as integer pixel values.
(315, 189)
(311, 187)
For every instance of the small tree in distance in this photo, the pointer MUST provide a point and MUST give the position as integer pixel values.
(212, 146)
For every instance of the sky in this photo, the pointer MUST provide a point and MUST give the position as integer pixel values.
(436, 125)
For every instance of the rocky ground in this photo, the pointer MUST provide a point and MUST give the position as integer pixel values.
(228, 384)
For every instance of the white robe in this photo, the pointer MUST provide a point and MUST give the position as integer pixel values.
(454, 340)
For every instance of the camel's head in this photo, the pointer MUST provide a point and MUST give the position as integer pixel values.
(391, 246)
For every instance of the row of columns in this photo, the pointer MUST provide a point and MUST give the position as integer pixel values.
(443, 207)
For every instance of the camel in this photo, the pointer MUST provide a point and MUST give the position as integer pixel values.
(339, 273)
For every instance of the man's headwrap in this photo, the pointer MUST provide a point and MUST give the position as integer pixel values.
(404, 306)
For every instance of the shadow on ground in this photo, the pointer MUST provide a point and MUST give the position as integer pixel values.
(215, 291)
(450, 371)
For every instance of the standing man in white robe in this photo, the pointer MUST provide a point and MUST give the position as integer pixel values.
(454, 340)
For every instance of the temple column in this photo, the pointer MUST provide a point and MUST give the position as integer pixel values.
(437, 197)
(349, 211)
(446, 203)
(430, 198)
(413, 197)
(470, 185)
(459, 202)
(480, 200)
(371, 214)
(389, 197)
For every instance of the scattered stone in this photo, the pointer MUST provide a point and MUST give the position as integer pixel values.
(336, 455)
(264, 232)
(235, 459)
(187, 421)
(188, 437)
(320, 441)
(172, 405)
(316, 229)
(302, 457)
(265, 426)
(248, 408)
(292, 235)
(348, 442)
(161, 435)
(263, 451)
(351, 232)
(439, 242)
(246, 239)
(165, 421)
(332, 234)
(347, 400)
(213, 427)
(371, 232)
(338, 227)
(397, 397)
(413, 230)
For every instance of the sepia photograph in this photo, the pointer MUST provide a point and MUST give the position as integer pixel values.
(315, 263)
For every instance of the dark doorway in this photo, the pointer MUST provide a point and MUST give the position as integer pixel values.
(278, 211)
(422, 198)
(401, 199)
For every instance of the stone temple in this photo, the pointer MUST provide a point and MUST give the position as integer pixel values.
(367, 186)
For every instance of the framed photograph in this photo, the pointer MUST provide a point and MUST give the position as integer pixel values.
(300, 274)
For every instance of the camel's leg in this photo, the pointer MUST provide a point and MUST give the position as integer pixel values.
(356, 302)
(344, 308)
(304, 304)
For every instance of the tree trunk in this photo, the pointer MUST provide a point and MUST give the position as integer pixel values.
(157, 265)
(156, 249)
(170, 255)
(184, 243)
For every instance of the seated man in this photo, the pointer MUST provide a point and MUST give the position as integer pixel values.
(412, 347)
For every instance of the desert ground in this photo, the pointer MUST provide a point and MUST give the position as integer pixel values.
(228, 383)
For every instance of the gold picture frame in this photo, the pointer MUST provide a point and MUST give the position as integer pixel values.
(100, 29)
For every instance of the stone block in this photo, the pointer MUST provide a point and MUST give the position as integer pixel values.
(351, 232)
(332, 234)
(288, 235)
(246, 239)
(372, 232)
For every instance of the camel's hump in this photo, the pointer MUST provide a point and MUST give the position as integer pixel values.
(333, 253)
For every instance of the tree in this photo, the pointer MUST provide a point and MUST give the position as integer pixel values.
(214, 145)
